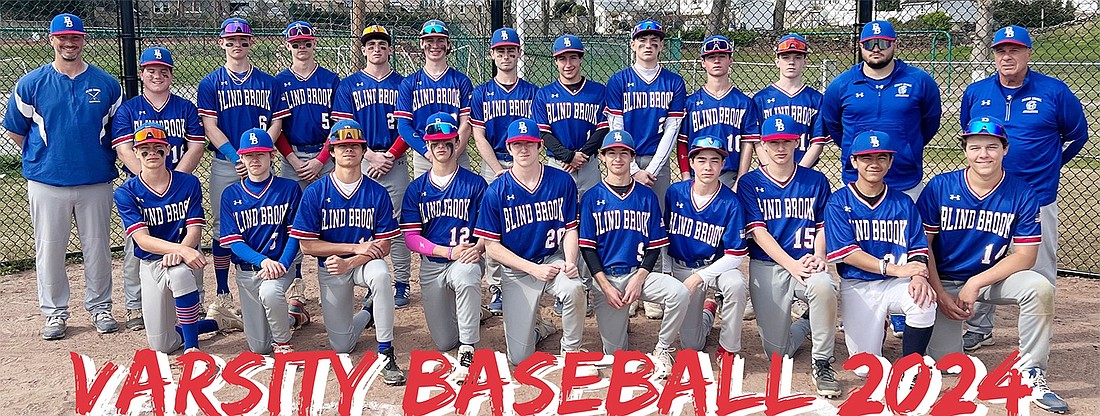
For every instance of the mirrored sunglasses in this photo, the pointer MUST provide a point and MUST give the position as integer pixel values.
(871, 44)
(149, 133)
(647, 26)
(345, 134)
(433, 28)
(986, 127)
(299, 30)
(441, 127)
(793, 44)
(716, 45)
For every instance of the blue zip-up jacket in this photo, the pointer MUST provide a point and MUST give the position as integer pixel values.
(1045, 122)
(905, 105)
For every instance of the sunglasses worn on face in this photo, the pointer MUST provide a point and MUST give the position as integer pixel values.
(299, 30)
(306, 45)
(440, 127)
(149, 133)
(716, 45)
(986, 127)
(882, 44)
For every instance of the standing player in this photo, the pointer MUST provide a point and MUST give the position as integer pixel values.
(231, 100)
(258, 212)
(530, 202)
(706, 235)
(438, 216)
(493, 106)
(185, 141)
(161, 210)
(570, 115)
(369, 97)
(888, 95)
(1046, 127)
(971, 217)
(435, 88)
(874, 234)
(719, 109)
(791, 96)
(72, 101)
(785, 210)
(622, 232)
(346, 221)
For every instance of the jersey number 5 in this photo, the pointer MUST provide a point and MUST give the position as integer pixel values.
(804, 238)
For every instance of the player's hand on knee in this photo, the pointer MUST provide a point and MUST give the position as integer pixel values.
(634, 286)
(579, 159)
(950, 306)
(170, 260)
(466, 253)
(643, 177)
(271, 269)
(921, 292)
(570, 269)
(545, 272)
(968, 295)
(192, 257)
(613, 296)
(369, 249)
(337, 265)
(693, 282)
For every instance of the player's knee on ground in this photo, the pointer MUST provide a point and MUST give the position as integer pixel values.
(342, 343)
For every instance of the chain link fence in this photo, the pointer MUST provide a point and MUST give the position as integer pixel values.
(947, 38)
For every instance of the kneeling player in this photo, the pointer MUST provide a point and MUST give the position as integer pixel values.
(162, 212)
(438, 214)
(785, 210)
(706, 234)
(258, 212)
(528, 219)
(622, 233)
(346, 221)
(971, 217)
(874, 232)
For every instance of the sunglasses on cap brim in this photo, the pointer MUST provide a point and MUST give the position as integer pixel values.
(236, 28)
(716, 46)
(791, 45)
(433, 29)
(985, 127)
(441, 128)
(346, 134)
(149, 133)
(299, 30)
(871, 44)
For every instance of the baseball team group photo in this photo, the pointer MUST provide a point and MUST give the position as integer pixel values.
(274, 183)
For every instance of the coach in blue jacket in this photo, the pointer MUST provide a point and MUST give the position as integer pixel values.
(1046, 128)
(888, 95)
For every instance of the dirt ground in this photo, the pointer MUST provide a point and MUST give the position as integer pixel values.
(36, 376)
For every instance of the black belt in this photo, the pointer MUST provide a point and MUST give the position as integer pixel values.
(308, 148)
(249, 267)
(692, 264)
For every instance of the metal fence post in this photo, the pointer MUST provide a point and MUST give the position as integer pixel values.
(864, 10)
(129, 47)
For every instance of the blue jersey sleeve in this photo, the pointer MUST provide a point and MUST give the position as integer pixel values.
(195, 213)
(279, 106)
(307, 220)
(587, 222)
(477, 113)
(1072, 124)
(488, 222)
(964, 109)
(17, 118)
(538, 111)
(750, 201)
(750, 122)
(195, 131)
(614, 94)
(1028, 228)
(230, 230)
(342, 107)
(466, 91)
(678, 104)
(207, 99)
(822, 200)
(830, 110)
(410, 211)
(733, 238)
(928, 205)
(404, 114)
(658, 236)
(569, 208)
(840, 239)
(385, 227)
(931, 109)
(918, 243)
(122, 127)
(129, 211)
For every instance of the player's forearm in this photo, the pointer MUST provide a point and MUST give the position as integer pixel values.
(819, 244)
(933, 274)
(276, 128)
(502, 254)
(723, 264)
(571, 245)
(555, 148)
(213, 133)
(488, 155)
(193, 235)
(664, 148)
(160, 246)
(321, 248)
(190, 159)
(812, 154)
(863, 261)
(1022, 258)
(464, 130)
(126, 154)
(290, 252)
(745, 155)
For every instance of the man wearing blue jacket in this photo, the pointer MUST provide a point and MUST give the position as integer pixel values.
(1046, 128)
(888, 95)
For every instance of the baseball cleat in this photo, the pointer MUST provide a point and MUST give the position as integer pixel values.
(485, 314)
(281, 348)
(632, 309)
(1041, 394)
(663, 362)
(226, 299)
(798, 308)
(54, 328)
(654, 310)
(225, 318)
(296, 292)
(400, 295)
(496, 300)
(465, 360)
(391, 373)
(750, 312)
(558, 306)
(972, 341)
(298, 315)
(824, 379)
(584, 370)
(135, 321)
(104, 322)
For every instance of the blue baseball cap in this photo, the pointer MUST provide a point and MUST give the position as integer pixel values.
(434, 27)
(523, 130)
(346, 132)
(300, 30)
(441, 126)
(568, 43)
(715, 44)
(255, 141)
(66, 24)
(156, 55)
(1012, 34)
(778, 127)
(871, 142)
(235, 26)
(793, 42)
(150, 132)
(617, 138)
(647, 27)
(878, 29)
(986, 126)
(702, 143)
(504, 36)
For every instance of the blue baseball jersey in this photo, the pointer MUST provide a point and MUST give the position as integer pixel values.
(1045, 122)
(792, 212)
(704, 230)
(529, 222)
(733, 116)
(444, 215)
(973, 232)
(493, 108)
(891, 229)
(47, 108)
(905, 105)
(621, 228)
(327, 214)
(370, 102)
(421, 95)
(261, 220)
(166, 215)
(645, 104)
(571, 117)
(179, 117)
(240, 102)
(803, 107)
(310, 104)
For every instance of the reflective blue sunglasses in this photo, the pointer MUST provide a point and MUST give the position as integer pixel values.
(985, 126)
(716, 45)
(441, 127)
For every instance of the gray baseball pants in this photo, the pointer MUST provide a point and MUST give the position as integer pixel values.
(697, 325)
(521, 293)
(264, 309)
(287, 171)
(342, 322)
(588, 177)
(452, 302)
(773, 288)
(492, 267)
(159, 289)
(658, 288)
